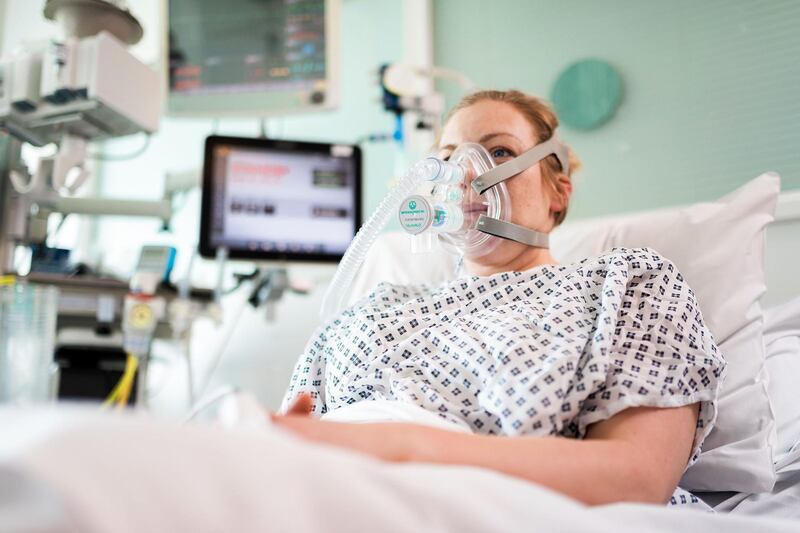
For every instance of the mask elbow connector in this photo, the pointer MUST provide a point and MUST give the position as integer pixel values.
(443, 172)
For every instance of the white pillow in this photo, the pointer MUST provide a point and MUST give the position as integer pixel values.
(719, 247)
(782, 338)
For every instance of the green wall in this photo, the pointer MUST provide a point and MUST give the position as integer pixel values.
(711, 88)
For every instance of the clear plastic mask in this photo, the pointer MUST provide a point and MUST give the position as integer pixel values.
(494, 203)
(449, 207)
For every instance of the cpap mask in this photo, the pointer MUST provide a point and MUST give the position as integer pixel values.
(465, 201)
(462, 203)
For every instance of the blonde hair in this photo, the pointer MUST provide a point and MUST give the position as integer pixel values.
(544, 122)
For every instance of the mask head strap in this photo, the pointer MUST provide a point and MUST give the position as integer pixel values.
(552, 146)
(512, 232)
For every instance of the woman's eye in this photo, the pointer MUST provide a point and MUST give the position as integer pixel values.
(501, 153)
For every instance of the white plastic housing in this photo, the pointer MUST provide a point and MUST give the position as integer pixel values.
(91, 88)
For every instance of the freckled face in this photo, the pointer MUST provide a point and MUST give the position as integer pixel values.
(505, 133)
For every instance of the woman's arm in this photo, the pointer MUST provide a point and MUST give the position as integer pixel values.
(636, 455)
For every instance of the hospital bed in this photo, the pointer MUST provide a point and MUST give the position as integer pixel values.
(72, 470)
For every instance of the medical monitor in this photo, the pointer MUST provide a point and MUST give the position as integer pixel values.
(255, 57)
(287, 200)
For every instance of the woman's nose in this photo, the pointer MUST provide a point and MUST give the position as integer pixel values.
(469, 175)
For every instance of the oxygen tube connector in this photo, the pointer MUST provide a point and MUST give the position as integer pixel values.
(423, 217)
(339, 289)
(443, 172)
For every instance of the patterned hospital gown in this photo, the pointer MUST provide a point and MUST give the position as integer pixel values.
(547, 351)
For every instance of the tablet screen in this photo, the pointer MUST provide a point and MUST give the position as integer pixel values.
(266, 199)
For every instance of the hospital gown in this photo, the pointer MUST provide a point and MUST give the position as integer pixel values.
(547, 351)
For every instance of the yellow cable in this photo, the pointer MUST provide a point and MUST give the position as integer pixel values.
(117, 388)
(114, 394)
(122, 390)
(128, 385)
(131, 378)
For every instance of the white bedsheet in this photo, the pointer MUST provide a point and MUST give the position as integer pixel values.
(782, 501)
(124, 473)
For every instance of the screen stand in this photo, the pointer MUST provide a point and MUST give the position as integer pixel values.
(268, 289)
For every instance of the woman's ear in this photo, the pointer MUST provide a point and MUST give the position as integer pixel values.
(561, 194)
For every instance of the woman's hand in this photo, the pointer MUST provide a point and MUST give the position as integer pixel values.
(387, 441)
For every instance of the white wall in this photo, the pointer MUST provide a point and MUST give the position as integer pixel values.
(23, 23)
(2, 22)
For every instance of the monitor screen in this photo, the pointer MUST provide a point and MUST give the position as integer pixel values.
(250, 55)
(268, 199)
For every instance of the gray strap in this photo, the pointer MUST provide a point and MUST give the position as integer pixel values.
(513, 232)
(552, 146)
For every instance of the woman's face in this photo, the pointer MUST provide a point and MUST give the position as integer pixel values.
(505, 133)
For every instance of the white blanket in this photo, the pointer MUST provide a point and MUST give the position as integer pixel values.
(65, 470)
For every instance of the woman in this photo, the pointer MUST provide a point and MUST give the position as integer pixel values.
(597, 379)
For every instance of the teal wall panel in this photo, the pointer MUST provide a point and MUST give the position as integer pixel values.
(711, 94)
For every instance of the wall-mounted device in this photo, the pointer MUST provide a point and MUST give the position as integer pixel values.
(256, 58)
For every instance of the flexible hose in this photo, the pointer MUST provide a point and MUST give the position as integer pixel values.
(339, 289)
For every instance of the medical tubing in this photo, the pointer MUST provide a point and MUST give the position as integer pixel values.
(221, 349)
(339, 289)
